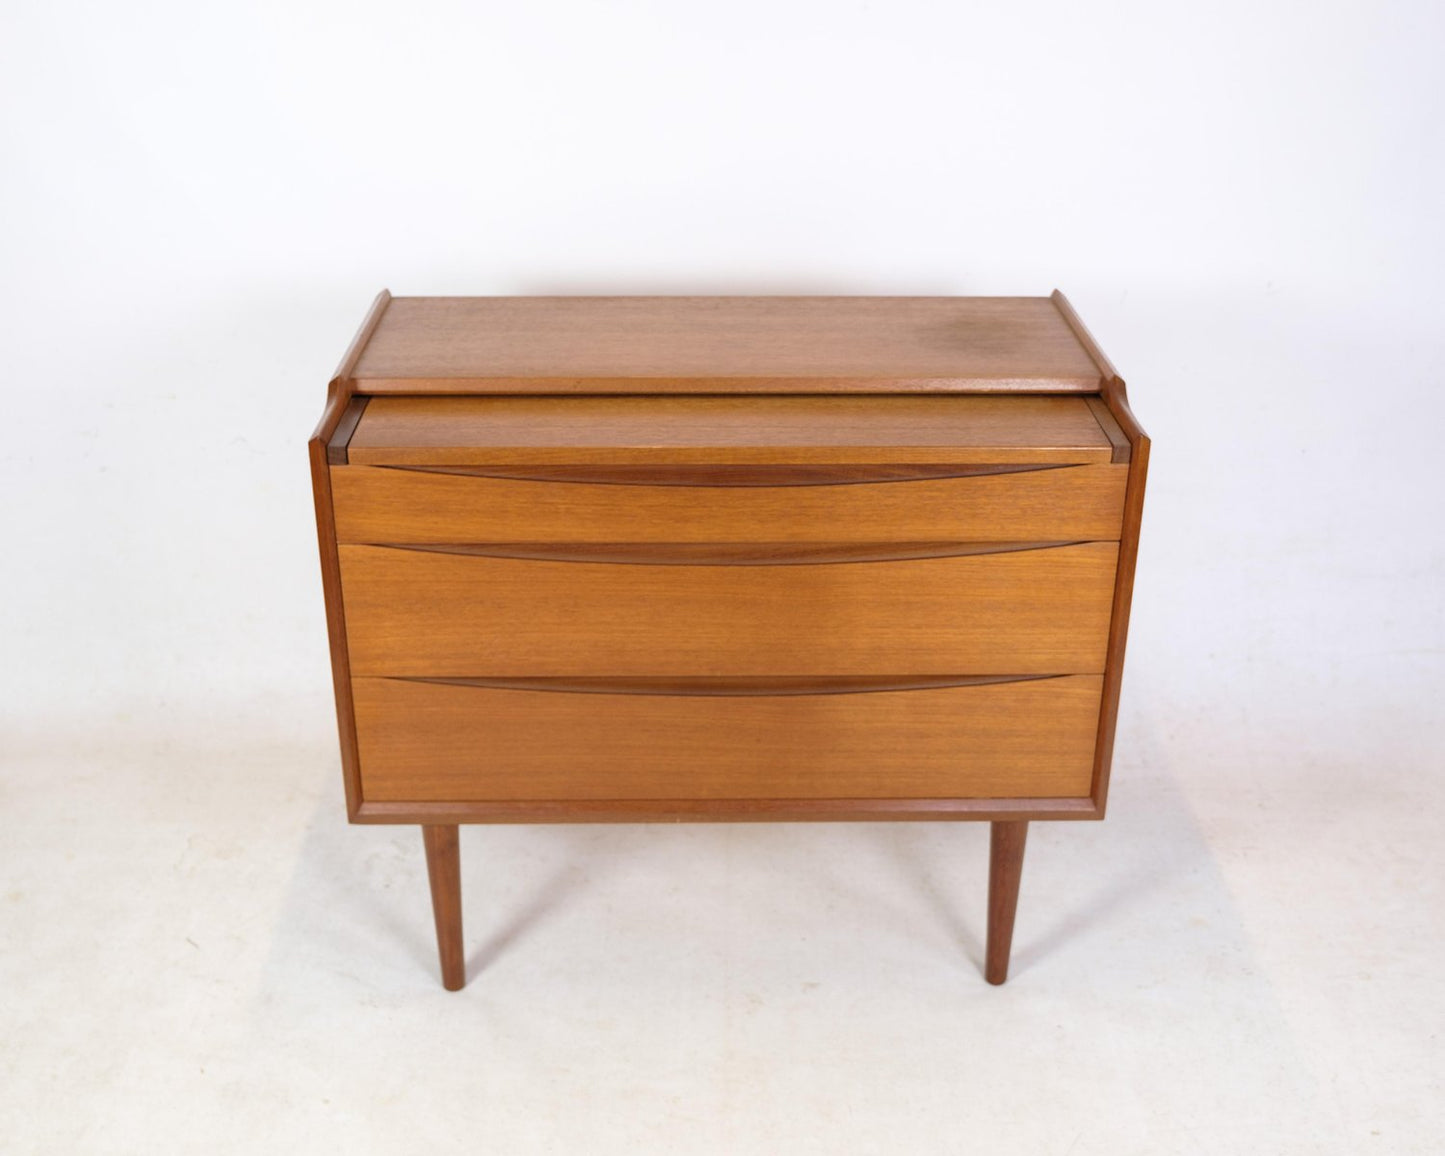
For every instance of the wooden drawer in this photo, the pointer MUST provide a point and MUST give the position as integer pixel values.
(724, 504)
(436, 742)
(420, 611)
(712, 430)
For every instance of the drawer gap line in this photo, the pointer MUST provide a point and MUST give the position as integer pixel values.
(721, 686)
(729, 477)
(721, 553)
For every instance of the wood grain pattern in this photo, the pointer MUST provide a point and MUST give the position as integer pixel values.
(709, 344)
(653, 571)
(1005, 870)
(1071, 503)
(1123, 586)
(728, 811)
(773, 685)
(1036, 612)
(1115, 398)
(1092, 374)
(892, 430)
(704, 475)
(337, 443)
(1104, 370)
(338, 399)
(1110, 425)
(345, 375)
(445, 743)
(444, 874)
(725, 553)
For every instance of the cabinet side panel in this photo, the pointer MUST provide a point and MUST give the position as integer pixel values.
(339, 396)
(1117, 400)
(335, 615)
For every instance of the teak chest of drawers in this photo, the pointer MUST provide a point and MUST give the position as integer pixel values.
(646, 558)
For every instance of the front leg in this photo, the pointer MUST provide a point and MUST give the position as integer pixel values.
(444, 869)
(1005, 867)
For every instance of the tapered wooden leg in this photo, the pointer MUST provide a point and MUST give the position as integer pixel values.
(1005, 867)
(444, 869)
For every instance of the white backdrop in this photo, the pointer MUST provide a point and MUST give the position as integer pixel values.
(1243, 200)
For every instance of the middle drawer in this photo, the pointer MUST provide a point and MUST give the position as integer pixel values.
(427, 611)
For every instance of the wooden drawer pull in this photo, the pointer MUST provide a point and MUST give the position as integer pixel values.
(726, 475)
(722, 553)
(733, 687)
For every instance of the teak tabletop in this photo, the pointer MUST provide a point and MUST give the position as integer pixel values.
(723, 344)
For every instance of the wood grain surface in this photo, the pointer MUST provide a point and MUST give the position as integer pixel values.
(738, 499)
(444, 874)
(336, 445)
(338, 403)
(1112, 430)
(1072, 503)
(728, 687)
(1139, 442)
(921, 810)
(747, 344)
(424, 741)
(728, 553)
(721, 430)
(415, 612)
(1114, 397)
(709, 475)
(1005, 870)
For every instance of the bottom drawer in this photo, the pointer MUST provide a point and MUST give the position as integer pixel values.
(554, 739)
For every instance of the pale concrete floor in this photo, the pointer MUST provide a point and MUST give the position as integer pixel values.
(200, 956)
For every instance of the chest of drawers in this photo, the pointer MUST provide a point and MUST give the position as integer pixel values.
(626, 559)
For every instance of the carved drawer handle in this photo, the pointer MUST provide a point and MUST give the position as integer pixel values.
(723, 476)
(721, 553)
(734, 687)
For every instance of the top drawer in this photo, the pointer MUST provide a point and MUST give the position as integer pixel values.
(697, 469)
(967, 430)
